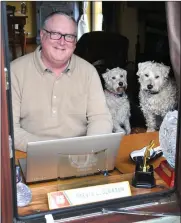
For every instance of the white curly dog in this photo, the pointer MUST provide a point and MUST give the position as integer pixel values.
(117, 100)
(158, 93)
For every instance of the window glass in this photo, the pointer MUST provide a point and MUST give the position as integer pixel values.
(132, 59)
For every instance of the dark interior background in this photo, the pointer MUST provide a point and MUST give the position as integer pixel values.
(133, 32)
(110, 49)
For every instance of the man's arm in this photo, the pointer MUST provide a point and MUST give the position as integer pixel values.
(21, 136)
(99, 117)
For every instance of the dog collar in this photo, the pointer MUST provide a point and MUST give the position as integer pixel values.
(116, 95)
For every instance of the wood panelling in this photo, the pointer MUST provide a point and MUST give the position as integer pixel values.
(31, 40)
(6, 184)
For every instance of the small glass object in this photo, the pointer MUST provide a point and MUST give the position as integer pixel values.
(167, 136)
(24, 195)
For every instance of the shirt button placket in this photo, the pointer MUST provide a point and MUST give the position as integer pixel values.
(54, 102)
(54, 111)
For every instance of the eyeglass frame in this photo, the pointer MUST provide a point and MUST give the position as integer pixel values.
(61, 35)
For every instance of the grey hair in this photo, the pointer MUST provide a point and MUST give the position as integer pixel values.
(59, 13)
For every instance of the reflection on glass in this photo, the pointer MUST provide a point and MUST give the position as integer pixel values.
(72, 165)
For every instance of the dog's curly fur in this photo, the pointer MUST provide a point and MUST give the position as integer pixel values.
(117, 100)
(158, 93)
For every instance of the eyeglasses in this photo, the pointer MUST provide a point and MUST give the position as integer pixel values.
(56, 36)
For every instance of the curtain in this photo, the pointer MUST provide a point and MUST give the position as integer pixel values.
(97, 17)
(173, 10)
(83, 25)
(111, 15)
(173, 24)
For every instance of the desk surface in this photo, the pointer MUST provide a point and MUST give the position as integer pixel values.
(134, 142)
(123, 164)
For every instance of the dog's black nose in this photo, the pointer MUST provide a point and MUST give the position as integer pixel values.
(149, 86)
(120, 84)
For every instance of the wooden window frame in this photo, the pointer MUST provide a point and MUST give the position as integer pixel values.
(8, 198)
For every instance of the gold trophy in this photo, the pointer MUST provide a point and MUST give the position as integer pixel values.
(144, 173)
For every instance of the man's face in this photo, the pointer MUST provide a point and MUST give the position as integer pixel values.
(58, 51)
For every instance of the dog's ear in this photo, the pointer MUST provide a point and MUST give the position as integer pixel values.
(165, 70)
(139, 65)
(104, 75)
(142, 66)
(139, 68)
(125, 72)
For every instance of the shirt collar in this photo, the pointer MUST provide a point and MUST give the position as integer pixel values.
(42, 68)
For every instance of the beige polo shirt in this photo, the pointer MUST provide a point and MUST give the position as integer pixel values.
(46, 106)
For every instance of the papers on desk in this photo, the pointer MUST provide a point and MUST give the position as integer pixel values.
(60, 199)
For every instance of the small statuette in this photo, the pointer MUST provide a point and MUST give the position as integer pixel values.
(144, 173)
(24, 195)
(147, 156)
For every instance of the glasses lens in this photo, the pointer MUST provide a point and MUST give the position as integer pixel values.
(55, 36)
(70, 38)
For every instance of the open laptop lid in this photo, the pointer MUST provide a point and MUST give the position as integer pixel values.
(54, 158)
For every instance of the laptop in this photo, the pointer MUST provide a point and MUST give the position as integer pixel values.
(70, 157)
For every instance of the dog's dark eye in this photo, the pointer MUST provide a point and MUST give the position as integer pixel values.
(146, 75)
(113, 78)
(157, 77)
(121, 75)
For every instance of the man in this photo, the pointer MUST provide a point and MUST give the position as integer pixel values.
(55, 93)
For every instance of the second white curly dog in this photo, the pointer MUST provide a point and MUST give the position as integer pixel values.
(158, 93)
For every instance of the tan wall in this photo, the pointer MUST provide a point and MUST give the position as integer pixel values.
(89, 14)
(129, 27)
(30, 26)
(127, 20)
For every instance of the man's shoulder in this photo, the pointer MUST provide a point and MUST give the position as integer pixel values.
(22, 61)
(83, 63)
